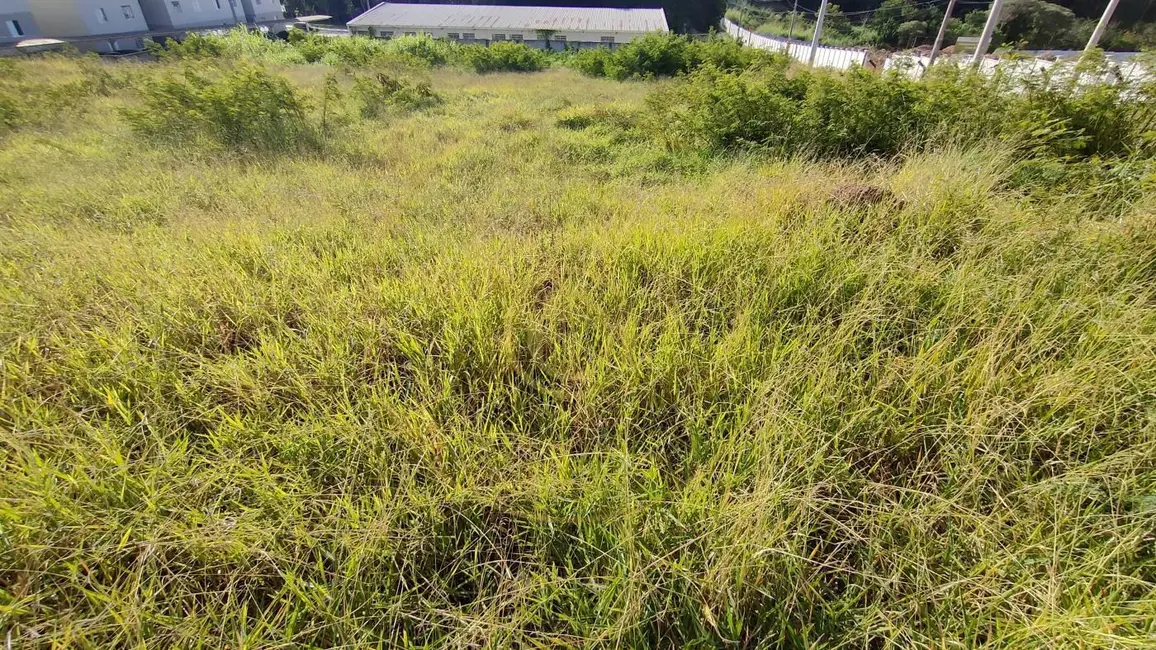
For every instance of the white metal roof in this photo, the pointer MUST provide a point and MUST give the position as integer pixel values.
(576, 19)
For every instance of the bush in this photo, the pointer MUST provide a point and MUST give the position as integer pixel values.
(424, 49)
(247, 108)
(195, 45)
(728, 54)
(354, 51)
(380, 92)
(716, 110)
(859, 112)
(668, 55)
(503, 56)
(591, 63)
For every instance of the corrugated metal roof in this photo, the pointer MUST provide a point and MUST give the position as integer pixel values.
(578, 19)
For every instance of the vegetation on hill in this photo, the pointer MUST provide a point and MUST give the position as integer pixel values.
(376, 351)
(1024, 24)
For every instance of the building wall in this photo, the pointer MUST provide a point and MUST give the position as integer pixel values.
(17, 14)
(76, 18)
(187, 14)
(262, 11)
(559, 40)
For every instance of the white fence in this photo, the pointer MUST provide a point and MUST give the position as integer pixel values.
(1122, 67)
(827, 57)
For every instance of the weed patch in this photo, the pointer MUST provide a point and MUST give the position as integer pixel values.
(247, 108)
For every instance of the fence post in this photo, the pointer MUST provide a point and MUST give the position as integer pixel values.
(988, 28)
(1101, 26)
(941, 34)
(819, 30)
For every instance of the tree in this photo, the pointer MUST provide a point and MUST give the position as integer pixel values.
(1036, 23)
(913, 31)
(836, 21)
(887, 19)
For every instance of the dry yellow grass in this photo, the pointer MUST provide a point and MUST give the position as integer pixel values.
(465, 377)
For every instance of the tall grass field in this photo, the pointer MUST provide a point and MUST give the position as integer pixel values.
(350, 345)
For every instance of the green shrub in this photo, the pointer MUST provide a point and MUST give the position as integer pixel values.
(591, 63)
(728, 54)
(381, 92)
(503, 56)
(860, 112)
(195, 45)
(668, 55)
(424, 49)
(242, 44)
(715, 110)
(247, 108)
(355, 51)
(654, 55)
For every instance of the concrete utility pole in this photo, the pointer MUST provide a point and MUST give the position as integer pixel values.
(988, 28)
(819, 30)
(941, 34)
(1101, 26)
(791, 29)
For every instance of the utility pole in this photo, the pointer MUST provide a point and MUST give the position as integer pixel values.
(746, 21)
(941, 34)
(791, 29)
(1101, 26)
(988, 28)
(819, 30)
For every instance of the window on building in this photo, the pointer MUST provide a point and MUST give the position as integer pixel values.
(453, 36)
(385, 34)
(14, 28)
(499, 37)
(411, 33)
(100, 15)
(517, 38)
(560, 37)
(177, 6)
(468, 36)
(608, 39)
(127, 12)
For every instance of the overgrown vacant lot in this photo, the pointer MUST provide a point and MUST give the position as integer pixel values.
(525, 360)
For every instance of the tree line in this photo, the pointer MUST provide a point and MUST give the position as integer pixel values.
(1030, 24)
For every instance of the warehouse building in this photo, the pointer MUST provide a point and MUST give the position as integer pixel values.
(101, 25)
(186, 14)
(547, 27)
(19, 24)
(263, 11)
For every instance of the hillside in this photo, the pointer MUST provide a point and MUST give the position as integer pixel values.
(395, 354)
(902, 24)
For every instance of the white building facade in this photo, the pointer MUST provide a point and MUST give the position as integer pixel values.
(17, 22)
(262, 11)
(191, 14)
(92, 24)
(548, 27)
